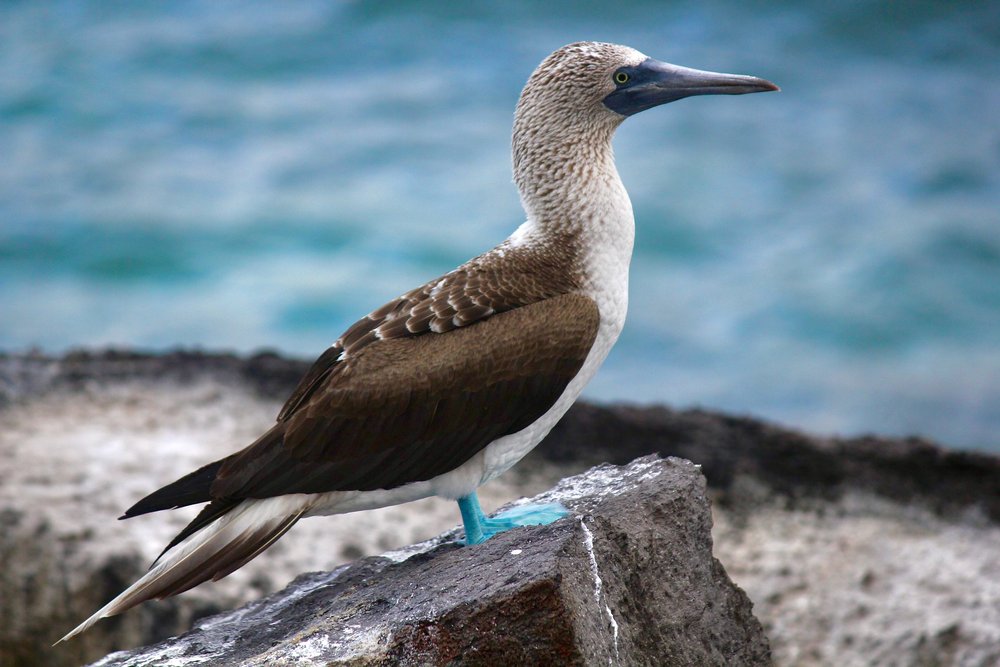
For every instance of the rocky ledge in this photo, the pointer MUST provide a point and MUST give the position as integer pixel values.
(868, 550)
(627, 578)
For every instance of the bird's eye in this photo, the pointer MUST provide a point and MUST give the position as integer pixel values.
(621, 77)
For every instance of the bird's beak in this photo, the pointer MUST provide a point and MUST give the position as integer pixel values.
(652, 83)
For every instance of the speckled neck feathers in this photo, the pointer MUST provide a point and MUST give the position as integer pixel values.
(562, 156)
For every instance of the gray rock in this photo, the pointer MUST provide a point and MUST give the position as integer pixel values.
(627, 578)
(804, 470)
(871, 551)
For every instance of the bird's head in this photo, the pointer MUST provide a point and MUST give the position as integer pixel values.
(574, 101)
(594, 84)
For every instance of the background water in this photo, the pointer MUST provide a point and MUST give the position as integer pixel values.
(238, 176)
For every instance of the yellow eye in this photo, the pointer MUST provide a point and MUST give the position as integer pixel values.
(621, 77)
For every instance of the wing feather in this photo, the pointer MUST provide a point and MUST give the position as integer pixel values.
(373, 406)
(409, 409)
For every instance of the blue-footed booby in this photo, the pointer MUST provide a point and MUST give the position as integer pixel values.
(452, 383)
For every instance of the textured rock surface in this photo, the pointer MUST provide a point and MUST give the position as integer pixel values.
(627, 578)
(862, 581)
(855, 551)
(742, 455)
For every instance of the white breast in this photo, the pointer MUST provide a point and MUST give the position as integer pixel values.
(609, 239)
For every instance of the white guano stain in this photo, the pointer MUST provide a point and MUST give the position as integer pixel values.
(167, 656)
(588, 543)
(310, 648)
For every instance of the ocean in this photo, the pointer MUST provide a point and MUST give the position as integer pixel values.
(245, 176)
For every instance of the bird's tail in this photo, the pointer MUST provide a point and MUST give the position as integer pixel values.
(212, 552)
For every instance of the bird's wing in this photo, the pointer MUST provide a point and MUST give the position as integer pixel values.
(306, 436)
(410, 408)
(469, 294)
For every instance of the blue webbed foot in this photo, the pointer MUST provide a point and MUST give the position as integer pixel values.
(479, 527)
(523, 515)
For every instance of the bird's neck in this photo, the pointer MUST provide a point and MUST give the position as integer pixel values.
(555, 173)
(571, 190)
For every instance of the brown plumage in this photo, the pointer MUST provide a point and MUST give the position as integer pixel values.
(412, 408)
(332, 433)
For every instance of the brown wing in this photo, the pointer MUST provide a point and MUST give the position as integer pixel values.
(471, 293)
(411, 408)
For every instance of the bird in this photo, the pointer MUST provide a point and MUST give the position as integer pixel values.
(449, 385)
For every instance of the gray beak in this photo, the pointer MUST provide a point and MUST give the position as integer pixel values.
(653, 83)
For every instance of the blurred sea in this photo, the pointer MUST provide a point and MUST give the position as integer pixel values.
(258, 175)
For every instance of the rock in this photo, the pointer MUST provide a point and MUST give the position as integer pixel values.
(628, 578)
(28, 375)
(853, 550)
(864, 581)
(794, 465)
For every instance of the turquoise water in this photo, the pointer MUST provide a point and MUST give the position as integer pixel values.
(239, 176)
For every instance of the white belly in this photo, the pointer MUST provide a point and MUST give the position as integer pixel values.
(501, 454)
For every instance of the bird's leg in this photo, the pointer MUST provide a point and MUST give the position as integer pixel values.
(479, 527)
(472, 518)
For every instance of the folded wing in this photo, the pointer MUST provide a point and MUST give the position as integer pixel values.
(408, 409)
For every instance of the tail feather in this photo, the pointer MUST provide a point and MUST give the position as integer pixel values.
(190, 489)
(209, 514)
(214, 551)
(254, 547)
